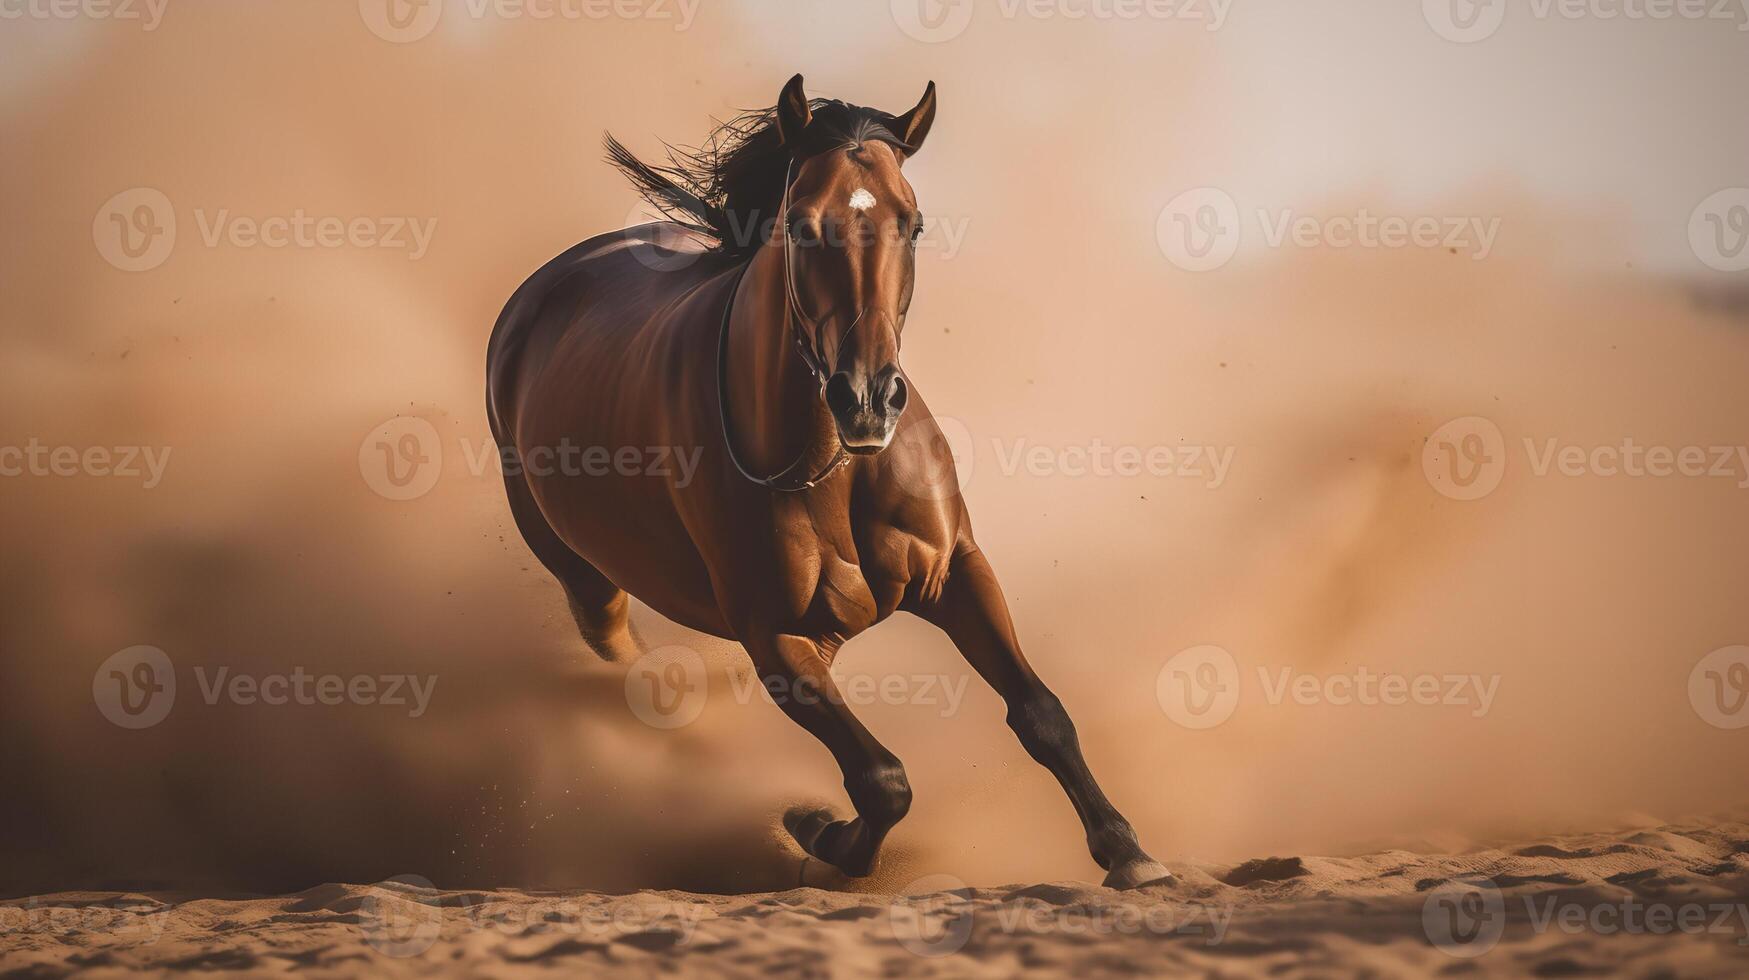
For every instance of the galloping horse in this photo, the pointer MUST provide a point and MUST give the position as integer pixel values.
(759, 330)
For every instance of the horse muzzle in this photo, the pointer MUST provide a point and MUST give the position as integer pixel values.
(866, 407)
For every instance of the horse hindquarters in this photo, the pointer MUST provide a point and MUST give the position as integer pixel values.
(599, 607)
(531, 326)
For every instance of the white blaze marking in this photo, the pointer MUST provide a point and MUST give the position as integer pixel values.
(861, 200)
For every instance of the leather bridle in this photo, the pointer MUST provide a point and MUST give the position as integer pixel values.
(807, 343)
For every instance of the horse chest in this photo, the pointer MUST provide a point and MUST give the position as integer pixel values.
(837, 598)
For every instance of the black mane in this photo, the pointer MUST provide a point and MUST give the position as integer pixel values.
(727, 186)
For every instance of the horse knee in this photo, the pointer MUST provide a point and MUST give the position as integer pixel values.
(882, 793)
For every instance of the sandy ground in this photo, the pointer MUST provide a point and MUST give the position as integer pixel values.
(1664, 901)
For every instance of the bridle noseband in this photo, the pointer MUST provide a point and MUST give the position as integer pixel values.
(812, 357)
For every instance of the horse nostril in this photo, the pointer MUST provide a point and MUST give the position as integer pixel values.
(896, 395)
(840, 396)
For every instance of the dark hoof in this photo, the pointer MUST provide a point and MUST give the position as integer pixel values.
(825, 838)
(1136, 873)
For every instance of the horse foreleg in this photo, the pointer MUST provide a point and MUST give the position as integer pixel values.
(974, 615)
(797, 677)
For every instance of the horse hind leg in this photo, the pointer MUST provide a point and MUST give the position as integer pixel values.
(601, 609)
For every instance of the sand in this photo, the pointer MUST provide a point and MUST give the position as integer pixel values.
(1669, 900)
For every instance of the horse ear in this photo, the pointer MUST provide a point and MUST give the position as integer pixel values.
(914, 125)
(793, 113)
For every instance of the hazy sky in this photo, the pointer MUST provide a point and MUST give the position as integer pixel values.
(1289, 102)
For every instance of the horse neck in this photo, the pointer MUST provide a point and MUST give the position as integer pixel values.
(775, 405)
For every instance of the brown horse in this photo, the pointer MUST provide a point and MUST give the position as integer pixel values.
(759, 332)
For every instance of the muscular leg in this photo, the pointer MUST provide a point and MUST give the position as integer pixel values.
(797, 676)
(972, 612)
(600, 608)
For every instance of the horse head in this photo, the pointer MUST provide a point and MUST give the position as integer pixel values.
(848, 226)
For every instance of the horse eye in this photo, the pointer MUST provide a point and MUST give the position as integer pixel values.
(916, 228)
(804, 231)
